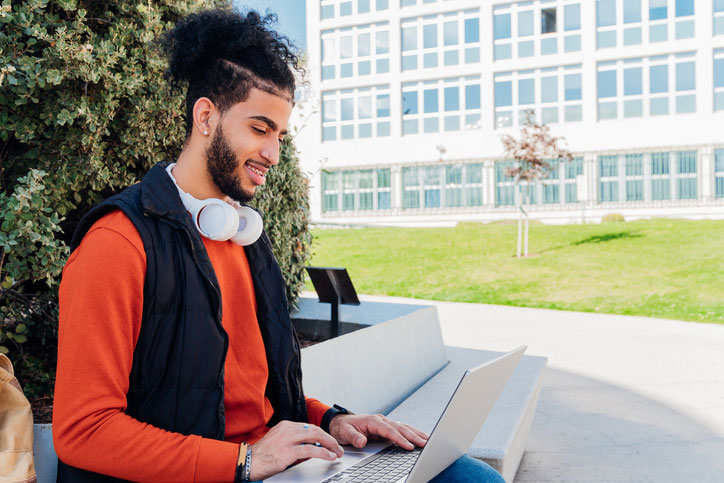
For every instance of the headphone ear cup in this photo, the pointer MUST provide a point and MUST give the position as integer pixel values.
(250, 226)
(216, 219)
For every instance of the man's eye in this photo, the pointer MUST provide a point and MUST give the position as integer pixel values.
(260, 131)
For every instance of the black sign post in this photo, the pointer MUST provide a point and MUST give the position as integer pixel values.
(333, 286)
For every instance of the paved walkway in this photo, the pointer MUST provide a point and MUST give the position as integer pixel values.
(628, 399)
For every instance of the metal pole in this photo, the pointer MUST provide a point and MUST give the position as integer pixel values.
(335, 317)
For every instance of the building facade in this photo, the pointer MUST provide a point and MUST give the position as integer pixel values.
(408, 100)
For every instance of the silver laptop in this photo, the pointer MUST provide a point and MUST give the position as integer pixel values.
(453, 434)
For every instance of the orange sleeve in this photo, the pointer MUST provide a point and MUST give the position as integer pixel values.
(315, 411)
(101, 300)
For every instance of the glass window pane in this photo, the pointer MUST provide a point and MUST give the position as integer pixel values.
(657, 9)
(719, 72)
(526, 49)
(634, 108)
(472, 30)
(452, 98)
(605, 40)
(472, 96)
(451, 57)
(407, 3)
(327, 50)
(548, 20)
(659, 107)
(363, 45)
(383, 105)
(684, 8)
(631, 11)
(382, 42)
(450, 33)
(348, 132)
(572, 17)
(526, 91)
(572, 43)
(429, 36)
(685, 104)
(660, 163)
(329, 110)
(431, 124)
(383, 129)
(632, 36)
(659, 78)
(501, 26)
(329, 134)
(503, 93)
(607, 110)
(345, 8)
(549, 46)
(409, 38)
(632, 83)
(363, 6)
(502, 52)
(347, 109)
(327, 11)
(525, 23)
(430, 100)
(605, 13)
(410, 126)
(345, 47)
(574, 113)
(572, 85)
(685, 76)
(409, 102)
(364, 106)
(606, 84)
(549, 89)
(382, 4)
(719, 5)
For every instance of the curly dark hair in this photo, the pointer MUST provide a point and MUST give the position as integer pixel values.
(222, 54)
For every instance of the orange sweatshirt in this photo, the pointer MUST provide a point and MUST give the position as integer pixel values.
(101, 302)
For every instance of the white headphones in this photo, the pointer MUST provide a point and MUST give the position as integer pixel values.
(217, 220)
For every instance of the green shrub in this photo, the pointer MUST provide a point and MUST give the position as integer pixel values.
(613, 217)
(84, 113)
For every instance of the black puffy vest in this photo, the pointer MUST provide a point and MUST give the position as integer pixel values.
(177, 376)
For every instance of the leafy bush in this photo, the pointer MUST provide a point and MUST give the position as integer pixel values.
(83, 114)
(613, 217)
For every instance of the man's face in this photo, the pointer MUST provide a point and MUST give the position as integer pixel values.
(245, 144)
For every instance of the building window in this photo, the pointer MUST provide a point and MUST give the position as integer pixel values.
(504, 185)
(573, 169)
(667, 75)
(686, 180)
(718, 17)
(440, 40)
(356, 113)
(608, 178)
(356, 190)
(660, 177)
(441, 105)
(348, 7)
(634, 177)
(524, 29)
(449, 186)
(719, 172)
(719, 79)
(640, 25)
(553, 94)
(355, 51)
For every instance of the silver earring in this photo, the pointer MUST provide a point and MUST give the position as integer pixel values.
(206, 133)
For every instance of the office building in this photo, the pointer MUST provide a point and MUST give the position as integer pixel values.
(408, 99)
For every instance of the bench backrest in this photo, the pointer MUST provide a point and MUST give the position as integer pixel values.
(374, 369)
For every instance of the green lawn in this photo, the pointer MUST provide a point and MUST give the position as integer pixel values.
(660, 268)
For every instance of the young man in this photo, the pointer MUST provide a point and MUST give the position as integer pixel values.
(177, 359)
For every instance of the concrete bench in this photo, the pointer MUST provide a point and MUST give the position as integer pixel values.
(402, 368)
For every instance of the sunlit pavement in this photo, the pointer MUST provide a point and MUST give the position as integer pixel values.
(623, 398)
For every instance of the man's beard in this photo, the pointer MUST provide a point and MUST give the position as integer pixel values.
(223, 166)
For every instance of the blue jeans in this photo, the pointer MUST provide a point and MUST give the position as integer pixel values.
(468, 470)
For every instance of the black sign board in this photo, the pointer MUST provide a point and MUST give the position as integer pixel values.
(333, 286)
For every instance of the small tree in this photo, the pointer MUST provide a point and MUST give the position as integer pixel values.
(532, 152)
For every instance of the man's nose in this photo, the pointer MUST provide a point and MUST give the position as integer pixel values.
(270, 152)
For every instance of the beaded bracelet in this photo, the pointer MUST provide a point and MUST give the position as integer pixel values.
(247, 464)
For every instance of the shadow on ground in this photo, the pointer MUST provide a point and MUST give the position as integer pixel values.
(586, 430)
(597, 239)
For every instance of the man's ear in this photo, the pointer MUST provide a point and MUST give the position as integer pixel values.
(205, 116)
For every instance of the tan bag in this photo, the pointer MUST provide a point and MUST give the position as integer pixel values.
(16, 429)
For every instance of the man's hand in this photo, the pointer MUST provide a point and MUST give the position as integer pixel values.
(288, 442)
(356, 429)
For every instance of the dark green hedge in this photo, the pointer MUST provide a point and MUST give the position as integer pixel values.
(84, 112)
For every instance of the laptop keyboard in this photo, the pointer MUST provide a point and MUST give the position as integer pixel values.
(388, 465)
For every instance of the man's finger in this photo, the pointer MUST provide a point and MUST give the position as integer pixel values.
(314, 434)
(305, 451)
(411, 435)
(385, 429)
